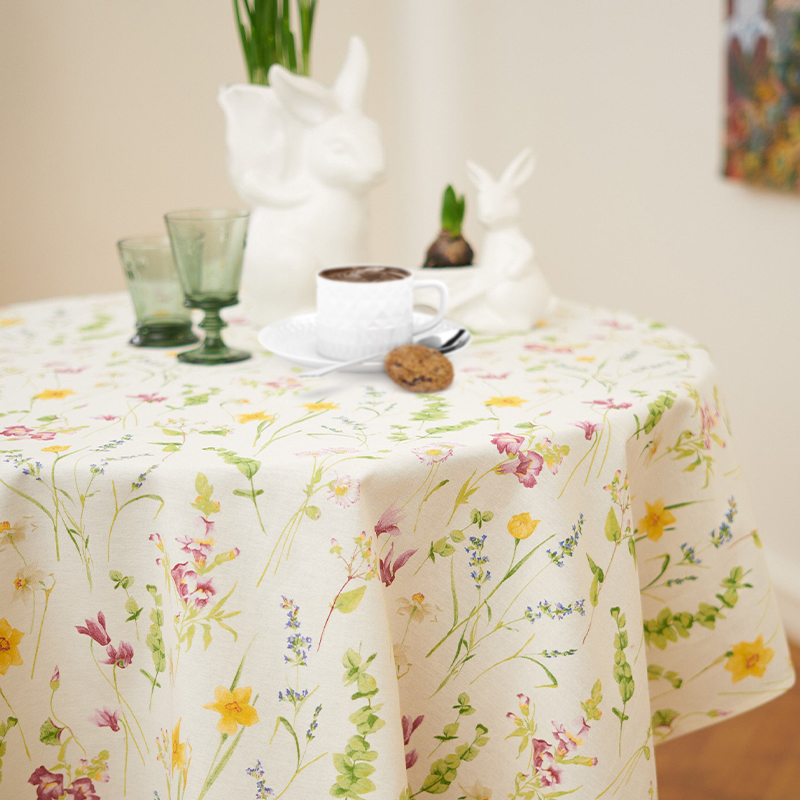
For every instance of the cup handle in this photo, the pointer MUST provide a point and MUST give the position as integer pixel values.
(442, 289)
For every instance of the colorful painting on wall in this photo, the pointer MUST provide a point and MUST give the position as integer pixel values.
(762, 144)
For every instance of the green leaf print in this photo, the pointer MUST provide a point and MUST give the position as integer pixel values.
(622, 670)
(591, 708)
(50, 733)
(204, 504)
(353, 766)
(669, 625)
(435, 409)
(663, 718)
(656, 672)
(347, 602)
(5, 727)
(444, 771)
(612, 529)
(155, 641)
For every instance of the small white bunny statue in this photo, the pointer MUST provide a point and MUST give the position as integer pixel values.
(509, 292)
(302, 155)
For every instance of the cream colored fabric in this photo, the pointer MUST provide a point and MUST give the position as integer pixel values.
(231, 582)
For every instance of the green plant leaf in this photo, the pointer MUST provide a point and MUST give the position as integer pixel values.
(347, 602)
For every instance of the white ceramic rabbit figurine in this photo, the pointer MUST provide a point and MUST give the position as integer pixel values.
(509, 292)
(302, 155)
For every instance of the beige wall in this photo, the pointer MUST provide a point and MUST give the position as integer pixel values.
(108, 117)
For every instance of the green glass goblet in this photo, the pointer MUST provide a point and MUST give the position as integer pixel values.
(162, 320)
(208, 245)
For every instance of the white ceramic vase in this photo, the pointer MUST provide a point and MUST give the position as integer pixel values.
(302, 155)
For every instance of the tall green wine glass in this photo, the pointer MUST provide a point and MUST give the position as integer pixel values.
(208, 245)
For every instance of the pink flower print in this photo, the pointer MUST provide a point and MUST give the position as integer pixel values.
(507, 443)
(204, 591)
(106, 719)
(607, 403)
(344, 491)
(185, 580)
(107, 417)
(70, 370)
(56, 675)
(545, 348)
(82, 789)
(388, 569)
(120, 658)
(44, 436)
(147, 398)
(409, 727)
(156, 539)
(616, 324)
(389, 520)
(491, 377)
(16, 432)
(97, 630)
(566, 742)
(708, 420)
(549, 774)
(434, 453)
(49, 785)
(544, 763)
(524, 703)
(200, 545)
(526, 467)
(588, 428)
(204, 527)
(190, 589)
(411, 758)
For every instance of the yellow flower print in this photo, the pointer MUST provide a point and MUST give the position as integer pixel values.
(56, 448)
(521, 526)
(261, 416)
(4, 323)
(54, 394)
(320, 406)
(654, 522)
(749, 658)
(587, 359)
(9, 652)
(180, 752)
(235, 708)
(510, 400)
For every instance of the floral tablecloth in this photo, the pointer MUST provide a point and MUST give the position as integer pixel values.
(232, 582)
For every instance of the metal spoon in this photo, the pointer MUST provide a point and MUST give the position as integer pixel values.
(443, 341)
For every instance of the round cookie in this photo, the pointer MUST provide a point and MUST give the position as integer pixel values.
(418, 368)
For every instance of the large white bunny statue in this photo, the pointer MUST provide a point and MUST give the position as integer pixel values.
(302, 155)
(508, 291)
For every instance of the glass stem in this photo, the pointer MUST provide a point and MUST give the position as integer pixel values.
(213, 324)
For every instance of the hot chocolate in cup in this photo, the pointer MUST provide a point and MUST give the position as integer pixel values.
(368, 309)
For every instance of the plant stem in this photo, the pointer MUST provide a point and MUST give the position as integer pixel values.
(19, 724)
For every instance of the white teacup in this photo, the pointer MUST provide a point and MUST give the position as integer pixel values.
(369, 309)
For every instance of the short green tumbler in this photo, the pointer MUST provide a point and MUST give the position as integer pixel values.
(162, 320)
(208, 246)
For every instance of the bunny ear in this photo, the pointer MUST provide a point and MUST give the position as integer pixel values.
(352, 80)
(520, 169)
(308, 100)
(478, 175)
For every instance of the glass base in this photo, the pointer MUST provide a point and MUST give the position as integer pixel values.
(222, 355)
(168, 334)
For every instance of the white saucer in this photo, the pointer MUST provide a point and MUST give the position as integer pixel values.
(295, 339)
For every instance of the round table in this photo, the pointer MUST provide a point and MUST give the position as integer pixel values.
(233, 582)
